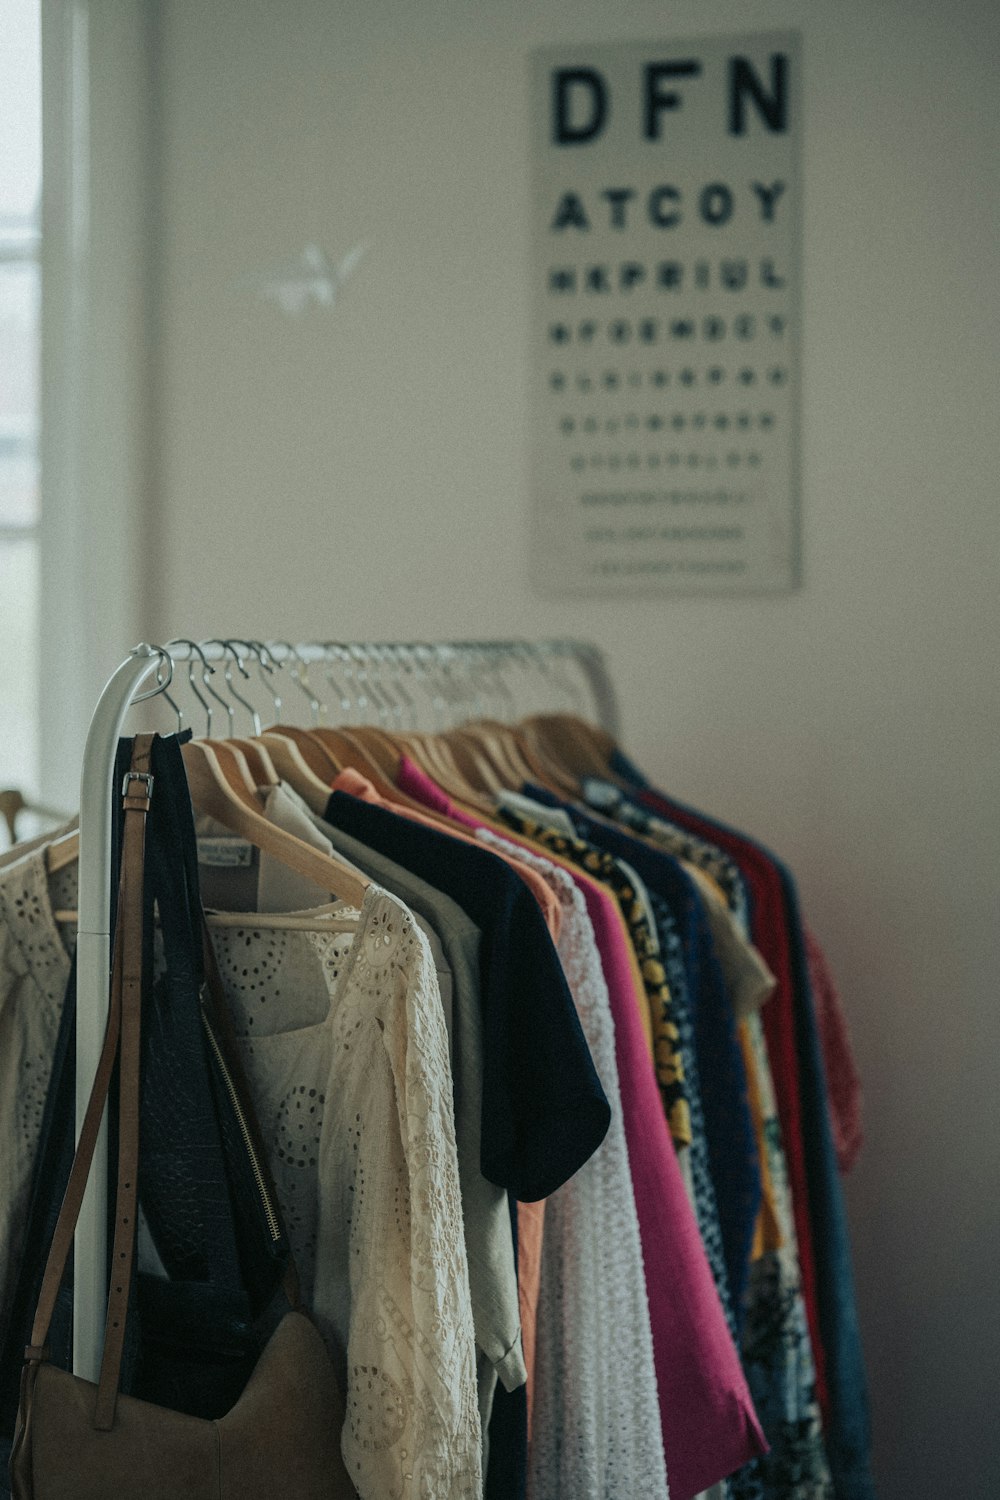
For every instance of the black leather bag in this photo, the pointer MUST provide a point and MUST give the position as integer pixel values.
(204, 1191)
(195, 1333)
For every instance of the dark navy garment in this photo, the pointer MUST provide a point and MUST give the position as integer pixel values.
(848, 1428)
(732, 1145)
(544, 1110)
(627, 770)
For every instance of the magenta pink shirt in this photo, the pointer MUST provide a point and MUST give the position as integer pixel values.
(710, 1428)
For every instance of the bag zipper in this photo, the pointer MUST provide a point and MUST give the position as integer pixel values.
(272, 1219)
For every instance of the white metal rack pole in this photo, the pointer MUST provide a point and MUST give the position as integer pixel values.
(92, 969)
(94, 931)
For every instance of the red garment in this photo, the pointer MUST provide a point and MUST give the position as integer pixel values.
(843, 1084)
(770, 934)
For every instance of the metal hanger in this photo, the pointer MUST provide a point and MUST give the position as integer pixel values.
(259, 763)
(215, 792)
(347, 745)
(225, 758)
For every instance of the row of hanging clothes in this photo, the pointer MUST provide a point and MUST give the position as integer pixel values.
(553, 1080)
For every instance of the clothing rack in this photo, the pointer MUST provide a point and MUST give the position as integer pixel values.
(455, 671)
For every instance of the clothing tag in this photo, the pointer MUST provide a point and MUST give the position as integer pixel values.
(229, 853)
(601, 795)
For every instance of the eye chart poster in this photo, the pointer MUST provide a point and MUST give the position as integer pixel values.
(664, 397)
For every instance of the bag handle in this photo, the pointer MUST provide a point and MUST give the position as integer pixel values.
(122, 1038)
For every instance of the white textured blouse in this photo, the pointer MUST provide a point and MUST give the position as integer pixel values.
(596, 1431)
(34, 970)
(346, 1051)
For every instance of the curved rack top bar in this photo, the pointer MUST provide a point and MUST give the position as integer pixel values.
(94, 905)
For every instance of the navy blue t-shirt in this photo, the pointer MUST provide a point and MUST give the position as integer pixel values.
(544, 1110)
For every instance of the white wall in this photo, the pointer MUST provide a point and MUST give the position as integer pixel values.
(363, 475)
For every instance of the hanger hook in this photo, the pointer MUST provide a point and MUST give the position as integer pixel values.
(521, 656)
(227, 708)
(333, 652)
(384, 706)
(301, 677)
(555, 653)
(367, 698)
(388, 683)
(230, 646)
(507, 697)
(353, 706)
(457, 667)
(173, 705)
(477, 665)
(266, 663)
(446, 656)
(161, 688)
(362, 701)
(548, 658)
(388, 708)
(406, 660)
(424, 659)
(390, 655)
(206, 670)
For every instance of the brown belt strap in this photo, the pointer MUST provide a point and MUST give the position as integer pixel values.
(123, 1034)
(135, 801)
(216, 1010)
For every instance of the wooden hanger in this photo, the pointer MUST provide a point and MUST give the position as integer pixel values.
(259, 763)
(62, 852)
(379, 748)
(578, 748)
(212, 793)
(235, 767)
(463, 770)
(478, 766)
(223, 785)
(318, 919)
(13, 802)
(312, 750)
(546, 769)
(375, 756)
(232, 766)
(434, 755)
(293, 767)
(345, 752)
(496, 741)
